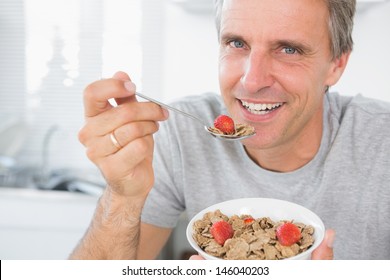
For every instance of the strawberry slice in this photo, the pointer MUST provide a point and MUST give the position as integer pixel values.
(248, 221)
(288, 234)
(221, 231)
(225, 124)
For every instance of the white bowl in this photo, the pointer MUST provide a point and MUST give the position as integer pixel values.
(275, 209)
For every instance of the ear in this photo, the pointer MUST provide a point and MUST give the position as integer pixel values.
(337, 68)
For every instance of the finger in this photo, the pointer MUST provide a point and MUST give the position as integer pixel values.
(103, 146)
(196, 257)
(97, 94)
(325, 250)
(110, 120)
(131, 131)
(123, 100)
(124, 162)
(122, 76)
(100, 147)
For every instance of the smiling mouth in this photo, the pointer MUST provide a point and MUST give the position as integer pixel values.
(260, 108)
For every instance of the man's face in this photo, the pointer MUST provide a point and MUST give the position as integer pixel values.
(275, 62)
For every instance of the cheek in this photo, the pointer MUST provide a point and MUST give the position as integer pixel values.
(229, 72)
(299, 80)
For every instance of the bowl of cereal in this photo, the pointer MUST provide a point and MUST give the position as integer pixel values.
(255, 228)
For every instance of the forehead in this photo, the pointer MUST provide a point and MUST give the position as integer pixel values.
(304, 18)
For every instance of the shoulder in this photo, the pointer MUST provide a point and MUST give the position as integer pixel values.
(360, 121)
(340, 105)
(360, 140)
(360, 124)
(360, 113)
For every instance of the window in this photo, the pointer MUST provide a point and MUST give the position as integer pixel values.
(49, 51)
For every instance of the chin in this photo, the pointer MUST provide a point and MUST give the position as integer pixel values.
(259, 142)
(252, 142)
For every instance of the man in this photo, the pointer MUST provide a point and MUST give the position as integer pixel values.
(329, 153)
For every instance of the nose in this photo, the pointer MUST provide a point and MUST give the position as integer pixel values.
(257, 72)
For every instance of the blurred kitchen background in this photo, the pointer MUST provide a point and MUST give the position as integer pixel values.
(51, 49)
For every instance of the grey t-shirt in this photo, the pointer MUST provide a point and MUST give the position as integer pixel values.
(347, 183)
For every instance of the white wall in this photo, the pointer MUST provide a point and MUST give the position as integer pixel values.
(369, 64)
(190, 53)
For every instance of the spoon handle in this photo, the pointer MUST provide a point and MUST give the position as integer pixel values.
(169, 107)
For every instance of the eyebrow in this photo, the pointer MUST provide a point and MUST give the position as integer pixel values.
(228, 36)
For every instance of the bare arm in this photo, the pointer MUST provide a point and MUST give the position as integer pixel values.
(118, 233)
(114, 232)
(152, 240)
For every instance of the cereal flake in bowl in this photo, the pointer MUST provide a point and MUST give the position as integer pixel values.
(255, 228)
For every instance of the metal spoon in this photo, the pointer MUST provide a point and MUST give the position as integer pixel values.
(206, 127)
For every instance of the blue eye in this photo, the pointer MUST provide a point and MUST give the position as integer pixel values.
(289, 50)
(236, 44)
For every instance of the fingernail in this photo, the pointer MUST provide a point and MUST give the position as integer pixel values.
(165, 112)
(130, 86)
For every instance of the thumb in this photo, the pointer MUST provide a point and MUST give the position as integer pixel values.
(196, 257)
(120, 75)
(129, 85)
(325, 250)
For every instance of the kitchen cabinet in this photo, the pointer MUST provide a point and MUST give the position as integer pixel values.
(45, 225)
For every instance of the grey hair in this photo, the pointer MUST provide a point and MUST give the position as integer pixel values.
(341, 14)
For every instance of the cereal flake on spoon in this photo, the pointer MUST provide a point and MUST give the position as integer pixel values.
(225, 125)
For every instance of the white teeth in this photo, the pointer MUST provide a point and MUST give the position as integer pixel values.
(260, 109)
